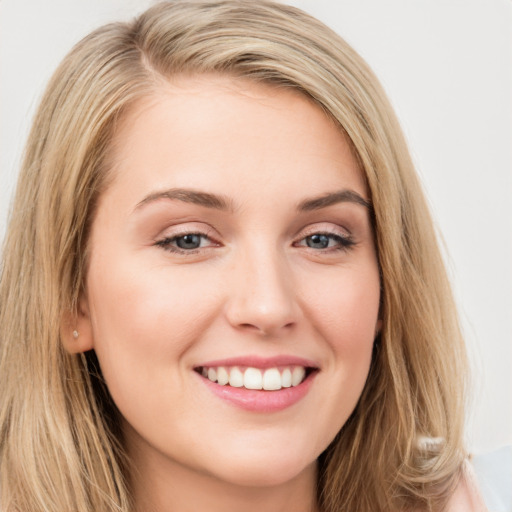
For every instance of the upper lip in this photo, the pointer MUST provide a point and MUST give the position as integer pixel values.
(255, 361)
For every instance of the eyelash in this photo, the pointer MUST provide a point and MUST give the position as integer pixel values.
(342, 242)
(166, 243)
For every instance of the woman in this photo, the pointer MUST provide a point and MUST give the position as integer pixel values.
(221, 285)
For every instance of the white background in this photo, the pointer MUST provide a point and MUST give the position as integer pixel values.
(447, 66)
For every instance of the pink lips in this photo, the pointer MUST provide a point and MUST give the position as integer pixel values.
(262, 362)
(260, 400)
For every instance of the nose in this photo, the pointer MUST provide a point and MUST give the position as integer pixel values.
(262, 296)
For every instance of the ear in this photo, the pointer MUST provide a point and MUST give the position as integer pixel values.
(76, 329)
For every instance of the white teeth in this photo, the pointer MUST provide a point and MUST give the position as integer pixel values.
(236, 378)
(298, 375)
(271, 379)
(253, 379)
(286, 378)
(222, 376)
(212, 374)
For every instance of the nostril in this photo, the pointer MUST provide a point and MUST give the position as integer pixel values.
(265, 330)
(251, 327)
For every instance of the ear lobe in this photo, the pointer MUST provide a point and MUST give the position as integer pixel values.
(76, 330)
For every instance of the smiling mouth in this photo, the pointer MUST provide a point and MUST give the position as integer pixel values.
(268, 379)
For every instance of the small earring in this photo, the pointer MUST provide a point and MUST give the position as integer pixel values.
(75, 334)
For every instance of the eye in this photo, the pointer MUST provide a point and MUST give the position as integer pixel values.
(326, 241)
(320, 241)
(187, 242)
(190, 241)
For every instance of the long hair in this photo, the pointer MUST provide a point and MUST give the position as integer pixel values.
(60, 445)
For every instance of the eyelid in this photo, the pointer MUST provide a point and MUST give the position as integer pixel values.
(187, 228)
(344, 239)
(324, 228)
(173, 232)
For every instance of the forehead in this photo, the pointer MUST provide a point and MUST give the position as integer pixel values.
(210, 128)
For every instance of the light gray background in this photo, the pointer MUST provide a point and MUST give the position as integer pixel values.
(447, 66)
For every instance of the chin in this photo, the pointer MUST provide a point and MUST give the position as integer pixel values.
(264, 471)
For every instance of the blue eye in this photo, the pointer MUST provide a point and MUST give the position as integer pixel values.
(318, 241)
(191, 241)
(326, 241)
(188, 242)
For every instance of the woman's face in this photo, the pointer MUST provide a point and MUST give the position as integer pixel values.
(233, 250)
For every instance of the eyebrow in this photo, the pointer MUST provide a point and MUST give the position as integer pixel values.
(217, 202)
(205, 199)
(341, 196)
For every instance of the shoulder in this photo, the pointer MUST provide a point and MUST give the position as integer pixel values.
(466, 497)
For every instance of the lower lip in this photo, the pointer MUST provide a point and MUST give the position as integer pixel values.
(260, 400)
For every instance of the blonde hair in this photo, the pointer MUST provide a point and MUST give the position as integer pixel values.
(60, 448)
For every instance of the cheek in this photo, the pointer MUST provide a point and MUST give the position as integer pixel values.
(347, 311)
(346, 315)
(144, 320)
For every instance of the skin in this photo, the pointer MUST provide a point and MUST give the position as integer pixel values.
(254, 287)
(467, 497)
